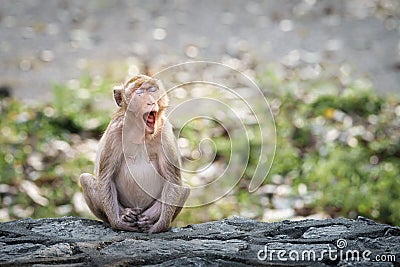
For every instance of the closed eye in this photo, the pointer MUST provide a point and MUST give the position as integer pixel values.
(139, 91)
(153, 89)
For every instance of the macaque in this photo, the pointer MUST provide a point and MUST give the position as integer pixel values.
(137, 184)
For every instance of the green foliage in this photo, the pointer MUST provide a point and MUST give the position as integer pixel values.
(79, 107)
(42, 145)
(342, 143)
(344, 146)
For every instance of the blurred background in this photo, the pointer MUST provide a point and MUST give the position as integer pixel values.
(329, 70)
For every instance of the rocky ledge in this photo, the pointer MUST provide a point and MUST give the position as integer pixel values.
(235, 241)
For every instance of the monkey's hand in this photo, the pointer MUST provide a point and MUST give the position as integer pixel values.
(131, 215)
(127, 221)
(145, 223)
(121, 225)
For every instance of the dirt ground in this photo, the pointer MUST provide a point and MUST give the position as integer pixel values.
(43, 42)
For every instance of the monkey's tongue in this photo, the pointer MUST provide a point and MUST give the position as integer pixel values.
(150, 119)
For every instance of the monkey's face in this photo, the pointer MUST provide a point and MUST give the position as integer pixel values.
(144, 103)
(146, 99)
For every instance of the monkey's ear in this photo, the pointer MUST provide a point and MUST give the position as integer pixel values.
(118, 95)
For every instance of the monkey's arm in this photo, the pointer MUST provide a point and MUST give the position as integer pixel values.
(110, 160)
(174, 194)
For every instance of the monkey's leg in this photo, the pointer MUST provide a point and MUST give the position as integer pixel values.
(90, 192)
(169, 212)
(184, 197)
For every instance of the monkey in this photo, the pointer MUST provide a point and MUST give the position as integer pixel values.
(137, 184)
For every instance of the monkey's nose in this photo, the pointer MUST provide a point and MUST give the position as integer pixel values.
(150, 101)
(152, 104)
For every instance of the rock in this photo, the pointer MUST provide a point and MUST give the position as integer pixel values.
(235, 241)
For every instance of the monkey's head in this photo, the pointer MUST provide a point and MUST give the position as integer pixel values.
(146, 98)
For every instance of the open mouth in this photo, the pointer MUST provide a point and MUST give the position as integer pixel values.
(150, 119)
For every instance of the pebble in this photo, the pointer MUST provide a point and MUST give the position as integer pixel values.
(286, 25)
(52, 29)
(47, 55)
(191, 51)
(25, 65)
(159, 34)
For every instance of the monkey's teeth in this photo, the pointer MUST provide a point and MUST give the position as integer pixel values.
(150, 119)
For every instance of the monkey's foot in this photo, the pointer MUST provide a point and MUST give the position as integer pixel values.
(125, 226)
(144, 223)
(131, 215)
(158, 228)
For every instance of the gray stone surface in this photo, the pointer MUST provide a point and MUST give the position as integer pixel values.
(236, 241)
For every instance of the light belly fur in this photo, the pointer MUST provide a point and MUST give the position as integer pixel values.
(138, 183)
